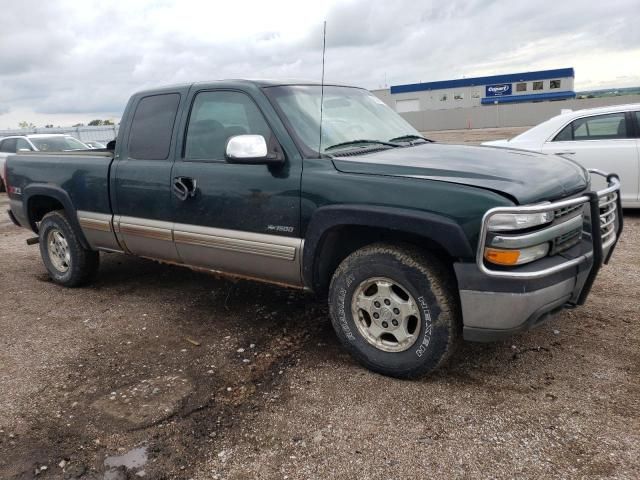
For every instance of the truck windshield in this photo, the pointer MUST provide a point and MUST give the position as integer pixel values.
(351, 118)
(57, 144)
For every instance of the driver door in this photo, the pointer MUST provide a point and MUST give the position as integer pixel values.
(237, 218)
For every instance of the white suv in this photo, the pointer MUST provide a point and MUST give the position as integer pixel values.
(36, 143)
(606, 138)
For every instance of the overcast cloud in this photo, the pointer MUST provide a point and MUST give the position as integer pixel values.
(63, 62)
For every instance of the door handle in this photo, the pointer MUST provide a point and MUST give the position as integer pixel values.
(184, 187)
(565, 153)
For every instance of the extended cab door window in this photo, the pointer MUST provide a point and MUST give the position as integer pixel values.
(8, 145)
(152, 127)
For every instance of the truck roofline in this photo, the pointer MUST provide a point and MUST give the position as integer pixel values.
(260, 83)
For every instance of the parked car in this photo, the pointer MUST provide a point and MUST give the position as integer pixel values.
(94, 144)
(417, 245)
(35, 143)
(606, 138)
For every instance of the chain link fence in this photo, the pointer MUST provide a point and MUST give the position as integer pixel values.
(103, 134)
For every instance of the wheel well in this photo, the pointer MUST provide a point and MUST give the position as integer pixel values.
(339, 242)
(39, 206)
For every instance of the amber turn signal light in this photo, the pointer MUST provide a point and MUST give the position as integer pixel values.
(508, 257)
(502, 257)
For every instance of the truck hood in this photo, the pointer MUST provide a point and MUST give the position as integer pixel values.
(525, 177)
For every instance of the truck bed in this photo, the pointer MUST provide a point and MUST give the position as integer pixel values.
(83, 176)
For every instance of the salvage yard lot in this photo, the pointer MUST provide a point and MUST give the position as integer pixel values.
(231, 379)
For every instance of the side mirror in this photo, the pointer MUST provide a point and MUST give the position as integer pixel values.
(251, 150)
(23, 150)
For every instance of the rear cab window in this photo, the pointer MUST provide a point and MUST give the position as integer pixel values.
(8, 145)
(152, 127)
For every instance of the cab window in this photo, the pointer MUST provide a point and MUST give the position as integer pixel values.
(217, 116)
(152, 127)
(22, 144)
(8, 145)
(598, 127)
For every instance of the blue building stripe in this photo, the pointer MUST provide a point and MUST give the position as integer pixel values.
(481, 81)
(528, 98)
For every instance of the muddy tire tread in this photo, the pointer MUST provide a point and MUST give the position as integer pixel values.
(443, 286)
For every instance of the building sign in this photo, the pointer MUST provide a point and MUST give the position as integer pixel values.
(498, 90)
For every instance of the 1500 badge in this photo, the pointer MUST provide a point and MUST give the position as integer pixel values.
(279, 228)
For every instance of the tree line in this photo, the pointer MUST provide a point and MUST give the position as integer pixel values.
(92, 123)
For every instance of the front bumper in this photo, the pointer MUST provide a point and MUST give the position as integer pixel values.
(498, 303)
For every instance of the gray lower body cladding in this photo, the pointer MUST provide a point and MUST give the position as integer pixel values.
(272, 258)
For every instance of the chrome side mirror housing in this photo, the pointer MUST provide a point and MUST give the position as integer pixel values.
(250, 149)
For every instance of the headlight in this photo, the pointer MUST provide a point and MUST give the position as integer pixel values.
(510, 257)
(518, 221)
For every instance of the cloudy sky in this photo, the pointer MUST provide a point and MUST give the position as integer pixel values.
(63, 62)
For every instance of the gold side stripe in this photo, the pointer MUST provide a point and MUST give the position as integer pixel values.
(146, 232)
(283, 248)
(95, 224)
(283, 252)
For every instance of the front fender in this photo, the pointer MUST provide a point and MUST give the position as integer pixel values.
(439, 229)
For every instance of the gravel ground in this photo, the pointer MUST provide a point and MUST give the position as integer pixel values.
(160, 372)
(474, 136)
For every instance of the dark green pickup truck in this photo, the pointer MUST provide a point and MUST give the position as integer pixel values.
(417, 245)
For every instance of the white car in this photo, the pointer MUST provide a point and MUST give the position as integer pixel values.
(606, 138)
(95, 144)
(45, 142)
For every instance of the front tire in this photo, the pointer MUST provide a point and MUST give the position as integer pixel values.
(395, 310)
(67, 261)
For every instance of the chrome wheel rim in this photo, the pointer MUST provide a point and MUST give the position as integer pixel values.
(58, 250)
(386, 314)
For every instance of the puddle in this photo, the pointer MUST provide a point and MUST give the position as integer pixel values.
(131, 460)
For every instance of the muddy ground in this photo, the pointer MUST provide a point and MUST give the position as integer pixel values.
(180, 375)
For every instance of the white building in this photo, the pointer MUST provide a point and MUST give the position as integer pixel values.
(471, 92)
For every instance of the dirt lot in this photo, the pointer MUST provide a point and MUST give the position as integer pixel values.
(182, 375)
(474, 136)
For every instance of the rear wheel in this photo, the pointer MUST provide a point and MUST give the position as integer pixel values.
(67, 261)
(395, 309)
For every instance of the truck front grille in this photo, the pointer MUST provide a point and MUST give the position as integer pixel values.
(608, 218)
(566, 211)
(566, 241)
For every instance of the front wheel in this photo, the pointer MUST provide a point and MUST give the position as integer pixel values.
(395, 310)
(67, 261)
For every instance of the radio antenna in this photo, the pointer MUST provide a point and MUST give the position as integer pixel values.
(324, 46)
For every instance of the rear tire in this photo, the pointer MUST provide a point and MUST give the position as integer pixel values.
(67, 261)
(395, 309)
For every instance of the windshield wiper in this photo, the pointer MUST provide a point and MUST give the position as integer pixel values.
(408, 138)
(359, 142)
